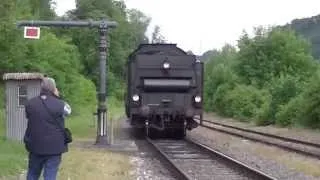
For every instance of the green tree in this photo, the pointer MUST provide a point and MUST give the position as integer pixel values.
(219, 71)
(264, 80)
(272, 53)
(138, 24)
(122, 40)
(303, 109)
(42, 9)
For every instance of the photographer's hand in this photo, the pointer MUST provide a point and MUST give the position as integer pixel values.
(56, 92)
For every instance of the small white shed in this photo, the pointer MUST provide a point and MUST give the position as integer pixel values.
(19, 87)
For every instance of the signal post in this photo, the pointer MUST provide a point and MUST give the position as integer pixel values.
(32, 31)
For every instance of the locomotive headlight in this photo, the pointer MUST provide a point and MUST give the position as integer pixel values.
(166, 65)
(135, 97)
(197, 99)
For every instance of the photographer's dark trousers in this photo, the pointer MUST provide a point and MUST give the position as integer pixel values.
(49, 164)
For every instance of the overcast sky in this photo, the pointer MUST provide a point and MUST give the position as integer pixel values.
(206, 24)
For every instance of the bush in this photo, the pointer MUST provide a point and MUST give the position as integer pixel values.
(247, 102)
(272, 53)
(289, 112)
(115, 86)
(282, 90)
(304, 109)
(266, 80)
(310, 107)
(218, 70)
(220, 74)
(79, 92)
(220, 105)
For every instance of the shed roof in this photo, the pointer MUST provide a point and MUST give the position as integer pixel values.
(22, 76)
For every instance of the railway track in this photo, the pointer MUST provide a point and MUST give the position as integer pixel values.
(289, 144)
(191, 160)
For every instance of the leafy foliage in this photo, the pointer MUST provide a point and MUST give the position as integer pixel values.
(266, 81)
(282, 90)
(219, 71)
(71, 55)
(122, 40)
(309, 29)
(273, 53)
(305, 108)
(246, 102)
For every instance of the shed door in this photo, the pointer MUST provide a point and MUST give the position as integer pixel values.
(18, 92)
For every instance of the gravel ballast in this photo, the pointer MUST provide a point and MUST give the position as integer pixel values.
(301, 148)
(273, 161)
(290, 132)
(145, 164)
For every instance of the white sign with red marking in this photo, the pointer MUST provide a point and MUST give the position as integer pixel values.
(31, 32)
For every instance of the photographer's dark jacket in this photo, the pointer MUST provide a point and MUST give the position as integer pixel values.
(43, 136)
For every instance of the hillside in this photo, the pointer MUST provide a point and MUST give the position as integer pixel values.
(309, 28)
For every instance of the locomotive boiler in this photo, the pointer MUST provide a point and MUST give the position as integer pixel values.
(164, 90)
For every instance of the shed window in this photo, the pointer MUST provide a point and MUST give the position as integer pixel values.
(23, 95)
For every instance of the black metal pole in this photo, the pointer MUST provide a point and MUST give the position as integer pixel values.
(102, 138)
(202, 89)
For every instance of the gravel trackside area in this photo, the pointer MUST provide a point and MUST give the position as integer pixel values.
(273, 161)
(144, 163)
(146, 167)
(296, 133)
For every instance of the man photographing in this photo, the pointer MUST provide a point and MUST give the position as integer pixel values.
(45, 137)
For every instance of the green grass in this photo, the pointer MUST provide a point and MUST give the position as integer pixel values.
(94, 163)
(12, 154)
(13, 157)
(83, 124)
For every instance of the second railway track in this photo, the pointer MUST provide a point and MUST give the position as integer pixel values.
(191, 160)
(289, 144)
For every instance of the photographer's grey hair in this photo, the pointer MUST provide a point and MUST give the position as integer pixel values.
(48, 84)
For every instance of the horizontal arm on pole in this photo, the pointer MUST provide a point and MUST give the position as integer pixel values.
(110, 24)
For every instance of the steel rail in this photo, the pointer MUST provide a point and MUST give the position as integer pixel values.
(256, 172)
(256, 139)
(178, 171)
(266, 134)
(211, 154)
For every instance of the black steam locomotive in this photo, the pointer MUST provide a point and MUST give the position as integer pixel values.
(165, 90)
